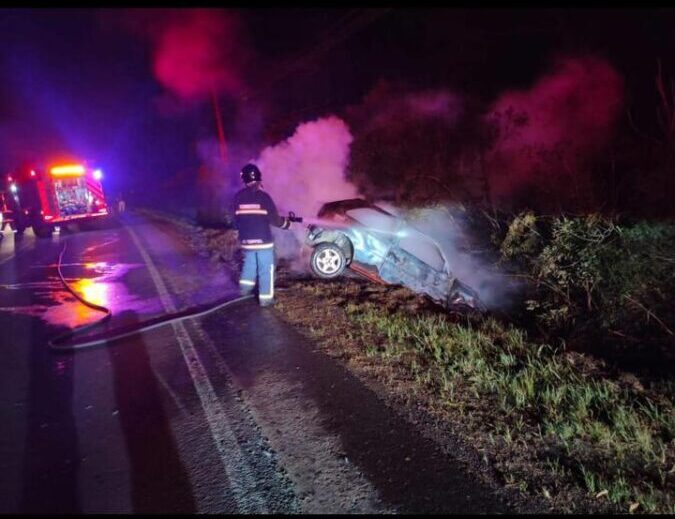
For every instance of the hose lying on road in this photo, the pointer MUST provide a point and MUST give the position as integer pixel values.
(60, 342)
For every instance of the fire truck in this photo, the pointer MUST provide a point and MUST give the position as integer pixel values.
(54, 196)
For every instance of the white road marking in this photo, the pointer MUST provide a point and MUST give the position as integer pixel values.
(238, 470)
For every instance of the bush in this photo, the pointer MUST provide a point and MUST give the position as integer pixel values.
(591, 273)
(522, 240)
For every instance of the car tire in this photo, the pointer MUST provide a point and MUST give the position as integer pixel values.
(328, 261)
(91, 225)
(43, 231)
(17, 229)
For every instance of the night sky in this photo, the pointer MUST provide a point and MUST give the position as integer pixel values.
(81, 82)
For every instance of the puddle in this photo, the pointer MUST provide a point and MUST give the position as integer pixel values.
(99, 283)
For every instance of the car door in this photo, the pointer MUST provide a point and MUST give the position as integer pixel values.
(416, 261)
(373, 236)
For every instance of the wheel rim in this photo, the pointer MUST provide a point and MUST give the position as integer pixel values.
(328, 261)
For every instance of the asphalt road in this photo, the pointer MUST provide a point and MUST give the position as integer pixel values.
(230, 413)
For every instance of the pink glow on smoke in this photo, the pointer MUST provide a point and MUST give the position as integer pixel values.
(196, 52)
(386, 106)
(572, 110)
(442, 104)
(305, 171)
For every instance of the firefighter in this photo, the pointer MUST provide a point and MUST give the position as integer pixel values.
(254, 211)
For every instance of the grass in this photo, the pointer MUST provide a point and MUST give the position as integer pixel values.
(605, 437)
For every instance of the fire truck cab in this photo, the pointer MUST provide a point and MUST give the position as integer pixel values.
(45, 198)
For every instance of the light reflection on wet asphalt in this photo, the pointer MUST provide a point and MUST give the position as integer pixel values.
(91, 271)
(97, 272)
(100, 283)
(75, 428)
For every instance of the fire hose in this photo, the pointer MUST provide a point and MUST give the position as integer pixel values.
(60, 342)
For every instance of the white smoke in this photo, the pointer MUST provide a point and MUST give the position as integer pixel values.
(447, 226)
(304, 172)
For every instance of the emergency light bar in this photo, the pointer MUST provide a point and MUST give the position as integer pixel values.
(71, 170)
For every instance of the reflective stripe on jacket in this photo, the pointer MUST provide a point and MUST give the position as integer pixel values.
(254, 211)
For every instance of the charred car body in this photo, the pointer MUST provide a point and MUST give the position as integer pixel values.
(382, 247)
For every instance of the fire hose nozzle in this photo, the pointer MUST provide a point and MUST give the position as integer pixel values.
(293, 218)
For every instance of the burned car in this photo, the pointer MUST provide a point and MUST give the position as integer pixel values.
(358, 235)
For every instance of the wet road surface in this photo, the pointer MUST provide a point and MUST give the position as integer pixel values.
(232, 412)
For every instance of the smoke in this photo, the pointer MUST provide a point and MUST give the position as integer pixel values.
(305, 171)
(448, 226)
(563, 120)
(441, 145)
(386, 106)
(197, 52)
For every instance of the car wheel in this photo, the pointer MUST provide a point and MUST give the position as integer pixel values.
(328, 261)
(43, 231)
(17, 229)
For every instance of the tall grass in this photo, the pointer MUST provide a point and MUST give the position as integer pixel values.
(608, 437)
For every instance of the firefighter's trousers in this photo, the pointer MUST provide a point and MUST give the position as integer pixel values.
(258, 265)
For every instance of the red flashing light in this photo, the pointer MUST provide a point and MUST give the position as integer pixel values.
(32, 172)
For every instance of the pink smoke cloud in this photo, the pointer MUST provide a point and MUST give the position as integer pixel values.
(305, 171)
(569, 113)
(197, 51)
(439, 103)
(387, 106)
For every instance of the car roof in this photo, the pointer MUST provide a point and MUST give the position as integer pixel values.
(341, 206)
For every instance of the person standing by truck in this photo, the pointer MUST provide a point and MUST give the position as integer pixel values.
(121, 204)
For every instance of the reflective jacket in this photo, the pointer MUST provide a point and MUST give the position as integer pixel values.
(254, 211)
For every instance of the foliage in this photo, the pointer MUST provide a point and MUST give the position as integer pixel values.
(592, 272)
(522, 238)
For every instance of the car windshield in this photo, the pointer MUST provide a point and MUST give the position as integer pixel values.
(410, 239)
(374, 220)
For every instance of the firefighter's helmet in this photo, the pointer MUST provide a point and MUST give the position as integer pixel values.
(250, 173)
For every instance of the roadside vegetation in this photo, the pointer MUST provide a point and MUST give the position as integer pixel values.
(591, 274)
(577, 388)
(613, 439)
